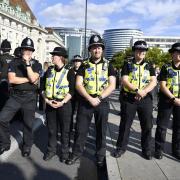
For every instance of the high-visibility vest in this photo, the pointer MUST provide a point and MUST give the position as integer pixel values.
(139, 75)
(173, 80)
(96, 77)
(57, 85)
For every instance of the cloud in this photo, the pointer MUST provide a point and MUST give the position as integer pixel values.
(151, 16)
(73, 13)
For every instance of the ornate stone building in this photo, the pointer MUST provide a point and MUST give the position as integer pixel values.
(17, 21)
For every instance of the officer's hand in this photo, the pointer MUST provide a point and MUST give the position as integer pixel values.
(142, 93)
(137, 97)
(177, 102)
(27, 57)
(57, 104)
(94, 101)
(50, 102)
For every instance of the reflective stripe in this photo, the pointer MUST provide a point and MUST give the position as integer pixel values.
(173, 80)
(139, 75)
(96, 77)
(57, 85)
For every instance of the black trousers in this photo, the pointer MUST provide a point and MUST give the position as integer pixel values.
(75, 105)
(129, 108)
(59, 118)
(4, 93)
(27, 103)
(84, 117)
(165, 109)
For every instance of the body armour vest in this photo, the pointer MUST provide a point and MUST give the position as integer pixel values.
(57, 85)
(139, 75)
(173, 80)
(5, 59)
(96, 77)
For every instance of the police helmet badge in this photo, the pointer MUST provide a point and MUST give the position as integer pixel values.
(96, 39)
(28, 42)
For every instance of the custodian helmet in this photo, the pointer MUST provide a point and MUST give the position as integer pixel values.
(141, 45)
(27, 43)
(96, 40)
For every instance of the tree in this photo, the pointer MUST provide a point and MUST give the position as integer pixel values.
(154, 55)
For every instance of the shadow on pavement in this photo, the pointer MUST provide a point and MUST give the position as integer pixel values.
(9, 171)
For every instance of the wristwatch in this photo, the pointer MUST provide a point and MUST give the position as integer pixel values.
(28, 65)
(136, 90)
(100, 97)
(173, 99)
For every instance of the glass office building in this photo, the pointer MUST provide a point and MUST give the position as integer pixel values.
(73, 39)
(118, 40)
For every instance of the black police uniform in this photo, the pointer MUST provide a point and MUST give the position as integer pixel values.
(5, 59)
(59, 118)
(165, 108)
(22, 97)
(84, 117)
(75, 104)
(129, 107)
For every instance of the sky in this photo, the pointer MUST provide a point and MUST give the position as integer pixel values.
(153, 17)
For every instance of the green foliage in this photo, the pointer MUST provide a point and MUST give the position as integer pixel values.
(155, 55)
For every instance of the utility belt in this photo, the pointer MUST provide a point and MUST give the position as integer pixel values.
(131, 96)
(94, 95)
(22, 92)
(55, 99)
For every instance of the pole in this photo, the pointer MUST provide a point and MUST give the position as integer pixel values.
(85, 28)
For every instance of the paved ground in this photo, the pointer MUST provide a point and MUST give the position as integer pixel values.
(131, 166)
(14, 167)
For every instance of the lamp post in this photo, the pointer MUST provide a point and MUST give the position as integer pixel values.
(85, 27)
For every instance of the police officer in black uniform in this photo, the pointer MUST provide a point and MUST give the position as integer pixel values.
(77, 61)
(23, 75)
(169, 103)
(59, 85)
(95, 81)
(17, 52)
(138, 80)
(5, 59)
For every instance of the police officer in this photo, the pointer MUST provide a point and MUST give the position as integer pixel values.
(169, 103)
(95, 81)
(77, 61)
(23, 74)
(58, 90)
(5, 59)
(138, 80)
(17, 52)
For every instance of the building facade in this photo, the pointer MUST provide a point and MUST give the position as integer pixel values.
(118, 40)
(17, 22)
(74, 41)
(162, 42)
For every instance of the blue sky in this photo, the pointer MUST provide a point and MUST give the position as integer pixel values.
(153, 17)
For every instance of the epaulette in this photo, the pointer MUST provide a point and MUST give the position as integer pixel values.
(167, 65)
(85, 63)
(51, 67)
(67, 66)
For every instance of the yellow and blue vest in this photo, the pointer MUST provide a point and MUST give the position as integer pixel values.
(96, 77)
(57, 85)
(173, 80)
(139, 75)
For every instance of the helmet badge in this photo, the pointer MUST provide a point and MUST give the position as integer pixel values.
(28, 42)
(96, 39)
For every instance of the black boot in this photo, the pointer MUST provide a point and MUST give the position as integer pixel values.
(3, 149)
(73, 159)
(158, 154)
(147, 155)
(49, 155)
(118, 153)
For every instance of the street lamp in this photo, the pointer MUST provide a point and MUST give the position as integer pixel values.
(85, 29)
